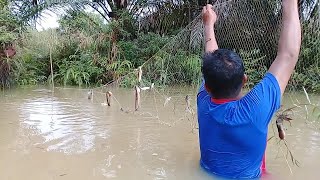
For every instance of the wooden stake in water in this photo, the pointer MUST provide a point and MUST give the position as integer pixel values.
(90, 94)
(108, 96)
(137, 98)
(139, 74)
(187, 99)
(166, 101)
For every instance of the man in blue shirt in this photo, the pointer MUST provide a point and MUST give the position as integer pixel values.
(232, 127)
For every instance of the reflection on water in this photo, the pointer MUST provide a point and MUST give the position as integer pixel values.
(58, 121)
(63, 135)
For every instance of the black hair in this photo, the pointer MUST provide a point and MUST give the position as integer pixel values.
(223, 73)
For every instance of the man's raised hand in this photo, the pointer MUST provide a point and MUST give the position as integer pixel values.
(209, 17)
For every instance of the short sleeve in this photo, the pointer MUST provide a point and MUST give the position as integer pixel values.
(262, 102)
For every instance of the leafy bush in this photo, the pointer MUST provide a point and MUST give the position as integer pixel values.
(307, 72)
(9, 32)
(181, 68)
(32, 62)
(143, 48)
(87, 52)
(255, 68)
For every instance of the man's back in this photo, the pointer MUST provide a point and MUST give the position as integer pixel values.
(233, 134)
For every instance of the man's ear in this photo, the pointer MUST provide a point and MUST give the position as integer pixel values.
(207, 88)
(244, 79)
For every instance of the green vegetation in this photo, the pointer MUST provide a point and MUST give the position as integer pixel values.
(9, 32)
(94, 49)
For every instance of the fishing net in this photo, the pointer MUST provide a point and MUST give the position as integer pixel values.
(171, 77)
(164, 88)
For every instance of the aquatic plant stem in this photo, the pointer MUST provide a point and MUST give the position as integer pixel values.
(286, 160)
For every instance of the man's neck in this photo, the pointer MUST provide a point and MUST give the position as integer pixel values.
(226, 100)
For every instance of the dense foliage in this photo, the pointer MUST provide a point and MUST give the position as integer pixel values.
(93, 49)
(83, 52)
(9, 32)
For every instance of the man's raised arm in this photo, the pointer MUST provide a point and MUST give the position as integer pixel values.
(289, 44)
(209, 18)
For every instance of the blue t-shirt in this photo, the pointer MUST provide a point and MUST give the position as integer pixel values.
(233, 135)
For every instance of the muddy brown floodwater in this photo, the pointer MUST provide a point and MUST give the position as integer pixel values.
(47, 135)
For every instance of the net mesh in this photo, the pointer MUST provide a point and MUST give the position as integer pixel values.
(251, 28)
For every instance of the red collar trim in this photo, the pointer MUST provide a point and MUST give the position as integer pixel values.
(221, 101)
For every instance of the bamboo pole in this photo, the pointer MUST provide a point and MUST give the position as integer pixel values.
(51, 66)
(51, 43)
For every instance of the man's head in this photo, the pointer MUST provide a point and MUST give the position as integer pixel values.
(223, 72)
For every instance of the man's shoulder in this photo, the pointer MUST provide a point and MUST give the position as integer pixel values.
(267, 88)
(262, 101)
(269, 80)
